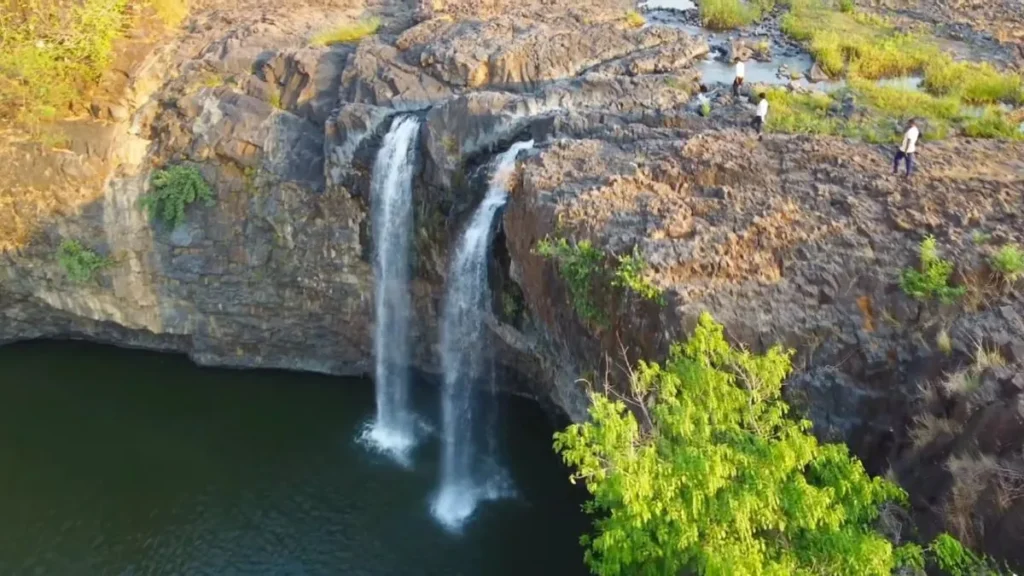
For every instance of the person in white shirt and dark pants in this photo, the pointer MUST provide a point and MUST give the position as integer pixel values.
(740, 71)
(762, 114)
(907, 149)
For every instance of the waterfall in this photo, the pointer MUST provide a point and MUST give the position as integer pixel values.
(393, 431)
(466, 476)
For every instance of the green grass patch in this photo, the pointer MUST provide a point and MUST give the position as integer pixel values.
(931, 279)
(79, 262)
(992, 123)
(171, 12)
(175, 188)
(728, 14)
(860, 43)
(1009, 262)
(973, 82)
(50, 50)
(883, 114)
(348, 32)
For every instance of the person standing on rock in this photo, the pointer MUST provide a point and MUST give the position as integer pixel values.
(907, 149)
(738, 81)
(761, 115)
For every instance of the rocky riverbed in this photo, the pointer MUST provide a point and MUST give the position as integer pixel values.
(798, 240)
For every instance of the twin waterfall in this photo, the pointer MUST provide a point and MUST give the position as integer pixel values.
(468, 477)
(391, 208)
(469, 473)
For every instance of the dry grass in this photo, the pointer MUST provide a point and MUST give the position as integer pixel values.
(927, 428)
(972, 475)
(346, 33)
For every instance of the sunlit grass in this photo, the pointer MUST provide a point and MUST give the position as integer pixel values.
(634, 19)
(884, 112)
(855, 42)
(993, 123)
(348, 32)
(171, 12)
(727, 14)
(973, 82)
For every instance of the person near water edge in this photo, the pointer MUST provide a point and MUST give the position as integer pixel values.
(761, 115)
(738, 81)
(907, 148)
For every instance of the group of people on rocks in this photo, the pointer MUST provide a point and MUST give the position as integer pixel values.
(905, 153)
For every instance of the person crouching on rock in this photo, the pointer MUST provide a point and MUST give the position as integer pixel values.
(761, 115)
(738, 81)
(907, 149)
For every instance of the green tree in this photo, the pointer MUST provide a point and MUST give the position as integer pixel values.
(719, 480)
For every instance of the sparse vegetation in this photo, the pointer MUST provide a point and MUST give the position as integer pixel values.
(79, 262)
(951, 556)
(932, 280)
(348, 32)
(175, 188)
(47, 49)
(972, 82)
(727, 14)
(993, 122)
(866, 46)
(630, 275)
(1009, 262)
(275, 100)
(634, 19)
(52, 51)
(578, 262)
(509, 306)
(705, 109)
(172, 12)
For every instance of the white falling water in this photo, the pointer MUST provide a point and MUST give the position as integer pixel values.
(467, 477)
(394, 430)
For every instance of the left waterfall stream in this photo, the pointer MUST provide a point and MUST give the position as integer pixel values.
(126, 462)
(395, 429)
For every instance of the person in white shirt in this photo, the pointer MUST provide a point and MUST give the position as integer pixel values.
(740, 71)
(762, 114)
(907, 149)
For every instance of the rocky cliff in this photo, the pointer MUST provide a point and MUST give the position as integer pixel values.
(796, 240)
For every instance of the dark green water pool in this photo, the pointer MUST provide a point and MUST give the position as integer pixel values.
(127, 463)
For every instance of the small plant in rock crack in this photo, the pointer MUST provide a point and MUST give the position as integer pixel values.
(630, 275)
(932, 280)
(175, 188)
(634, 19)
(79, 262)
(1009, 262)
(705, 109)
(577, 263)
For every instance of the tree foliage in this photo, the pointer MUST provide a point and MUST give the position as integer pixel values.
(722, 482)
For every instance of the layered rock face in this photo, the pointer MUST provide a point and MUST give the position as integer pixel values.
(276, 273)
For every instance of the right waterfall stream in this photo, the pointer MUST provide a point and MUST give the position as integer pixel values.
(470, 473)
